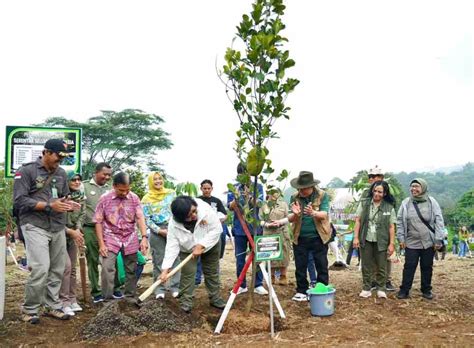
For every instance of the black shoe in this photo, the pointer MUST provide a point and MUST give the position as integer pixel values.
(428, 295)
(401, 295)
(219, 304)
(389, 286)
(117, 295)
(30, 318)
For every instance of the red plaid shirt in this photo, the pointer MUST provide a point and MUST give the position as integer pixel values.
(118, 217)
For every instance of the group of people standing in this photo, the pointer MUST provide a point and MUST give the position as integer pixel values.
(419, 230)
(63, 215)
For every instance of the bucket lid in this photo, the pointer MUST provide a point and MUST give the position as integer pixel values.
(321, 288)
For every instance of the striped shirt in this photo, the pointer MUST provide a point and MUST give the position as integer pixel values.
(118, 217)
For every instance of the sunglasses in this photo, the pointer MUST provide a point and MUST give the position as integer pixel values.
(371, 176)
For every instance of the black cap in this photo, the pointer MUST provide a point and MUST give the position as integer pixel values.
(57, 146)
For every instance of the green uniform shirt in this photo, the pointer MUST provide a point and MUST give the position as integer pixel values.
(92, 193)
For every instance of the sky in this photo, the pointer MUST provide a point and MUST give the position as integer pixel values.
(382, 82)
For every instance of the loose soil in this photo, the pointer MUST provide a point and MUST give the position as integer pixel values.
(448, 320)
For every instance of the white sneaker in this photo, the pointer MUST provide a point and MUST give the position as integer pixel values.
(381, 294)
(160, 296)
(300, 297)
(76, 308)
(241, 291)
(67, 310)
(175, 294)
(260, 290)
(365, 293)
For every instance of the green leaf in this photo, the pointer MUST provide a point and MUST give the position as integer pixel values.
(257, 12)
(289, 63)
(231, 188)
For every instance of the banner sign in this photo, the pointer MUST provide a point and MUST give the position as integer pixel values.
(268, 248)
(26, 144)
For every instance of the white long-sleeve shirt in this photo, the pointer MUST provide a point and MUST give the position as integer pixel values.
(207, 233)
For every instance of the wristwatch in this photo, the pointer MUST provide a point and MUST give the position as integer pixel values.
(47, 208)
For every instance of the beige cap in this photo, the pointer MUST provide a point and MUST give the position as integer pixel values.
(375, 171)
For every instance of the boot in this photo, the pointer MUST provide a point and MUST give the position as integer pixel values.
(283, 280)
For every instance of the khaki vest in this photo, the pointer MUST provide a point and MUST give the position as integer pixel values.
(323, 226)
(382, 223)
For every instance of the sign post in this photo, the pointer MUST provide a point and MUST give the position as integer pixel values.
(25, 144)
(269, 248)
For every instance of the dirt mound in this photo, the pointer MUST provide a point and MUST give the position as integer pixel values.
(125, 319)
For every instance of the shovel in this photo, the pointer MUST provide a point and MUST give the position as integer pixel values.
(153, 286)
(82, 268)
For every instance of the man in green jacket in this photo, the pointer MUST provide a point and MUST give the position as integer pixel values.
(93, 190)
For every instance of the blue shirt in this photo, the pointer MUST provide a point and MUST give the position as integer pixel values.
(237, 229)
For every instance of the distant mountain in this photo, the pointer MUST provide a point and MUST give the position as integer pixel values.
(447, 187)
(445, 170)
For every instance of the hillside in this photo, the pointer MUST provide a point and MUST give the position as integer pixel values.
(446, 188)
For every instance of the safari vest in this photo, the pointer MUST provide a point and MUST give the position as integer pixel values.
(382, 223)
(323, 227)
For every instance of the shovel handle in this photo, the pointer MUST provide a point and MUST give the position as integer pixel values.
(153, 286)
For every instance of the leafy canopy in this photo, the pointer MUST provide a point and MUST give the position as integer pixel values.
(463, 212)
(125, 138)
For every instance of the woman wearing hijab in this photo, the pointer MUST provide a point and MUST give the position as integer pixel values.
(374, 233)
(420, 229)
(156, 207)
(74, 240)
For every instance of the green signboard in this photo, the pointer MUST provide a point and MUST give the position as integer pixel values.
(268, 248)
(26, 144)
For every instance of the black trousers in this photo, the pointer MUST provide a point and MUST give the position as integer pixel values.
(315, 246)
(412, 257)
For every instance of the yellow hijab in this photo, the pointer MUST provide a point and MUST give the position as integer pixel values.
(155, 195)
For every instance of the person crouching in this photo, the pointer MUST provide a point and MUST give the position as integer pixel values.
(194, 229)
(116, 215)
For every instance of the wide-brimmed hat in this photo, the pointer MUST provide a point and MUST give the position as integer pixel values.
(304, 179)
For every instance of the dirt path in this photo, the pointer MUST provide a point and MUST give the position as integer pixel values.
(448, 320)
